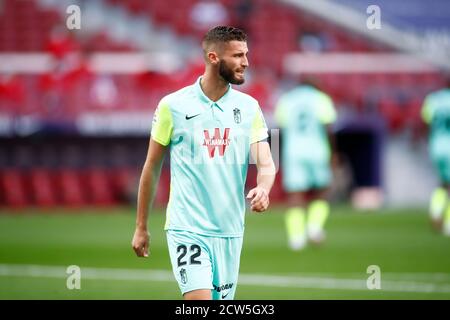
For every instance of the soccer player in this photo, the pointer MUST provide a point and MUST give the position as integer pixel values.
(436, 113)
(304, 115)
(211, 129)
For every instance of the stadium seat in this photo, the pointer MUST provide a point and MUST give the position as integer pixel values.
(73, 192)
(124, 182)
(393, 113)
(99, 187)
(42, 187)
(13, 187)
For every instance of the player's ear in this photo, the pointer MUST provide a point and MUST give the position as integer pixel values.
(213, 57)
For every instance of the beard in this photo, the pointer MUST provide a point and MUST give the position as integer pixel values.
(227, 74)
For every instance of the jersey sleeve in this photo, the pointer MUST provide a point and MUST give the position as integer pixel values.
(162, 125)
(327, 112)
(427, 110)
(259, 129)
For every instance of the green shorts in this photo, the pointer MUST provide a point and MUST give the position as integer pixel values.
(203, 262)
(442, 165)
(303, 175)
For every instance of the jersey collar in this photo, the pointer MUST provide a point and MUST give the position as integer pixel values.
(219, 103)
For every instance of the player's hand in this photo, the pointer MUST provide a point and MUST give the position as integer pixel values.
(260, 201)
(140, 243)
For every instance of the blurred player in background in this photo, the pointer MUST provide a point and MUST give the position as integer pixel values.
(436, 113)
(304, 115)
(211, 130)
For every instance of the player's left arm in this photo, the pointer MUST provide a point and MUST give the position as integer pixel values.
(260, 152)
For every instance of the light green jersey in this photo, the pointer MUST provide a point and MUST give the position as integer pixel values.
(302, 113)
(436, 113)
(209, 155)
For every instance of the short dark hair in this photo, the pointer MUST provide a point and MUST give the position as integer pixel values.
(224, 34)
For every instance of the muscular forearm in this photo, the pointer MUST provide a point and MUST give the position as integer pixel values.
(147, 186)
(266, 167)
(266, 177)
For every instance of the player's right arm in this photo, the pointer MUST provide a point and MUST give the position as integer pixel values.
(160, 138)
(147, 186)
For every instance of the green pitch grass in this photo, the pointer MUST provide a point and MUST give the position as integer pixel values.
(37, 246)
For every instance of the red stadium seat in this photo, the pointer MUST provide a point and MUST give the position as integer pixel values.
(124, 183)
(393, 113)
(99, 187)
(415, 112)
(14, 189)
(71, 188)
(42, 187)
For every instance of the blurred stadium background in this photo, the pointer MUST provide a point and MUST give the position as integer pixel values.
(75, 115)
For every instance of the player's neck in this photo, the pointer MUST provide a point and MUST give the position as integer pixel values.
(213, 86)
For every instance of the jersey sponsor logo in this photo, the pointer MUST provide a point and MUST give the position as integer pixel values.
(237, 115)
(217, 141)
(226, 286)
(190, 117)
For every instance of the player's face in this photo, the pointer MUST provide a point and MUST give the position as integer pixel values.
(233, 62)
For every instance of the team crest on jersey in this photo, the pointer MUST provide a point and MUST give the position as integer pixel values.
(183, 276)
(237, 115)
